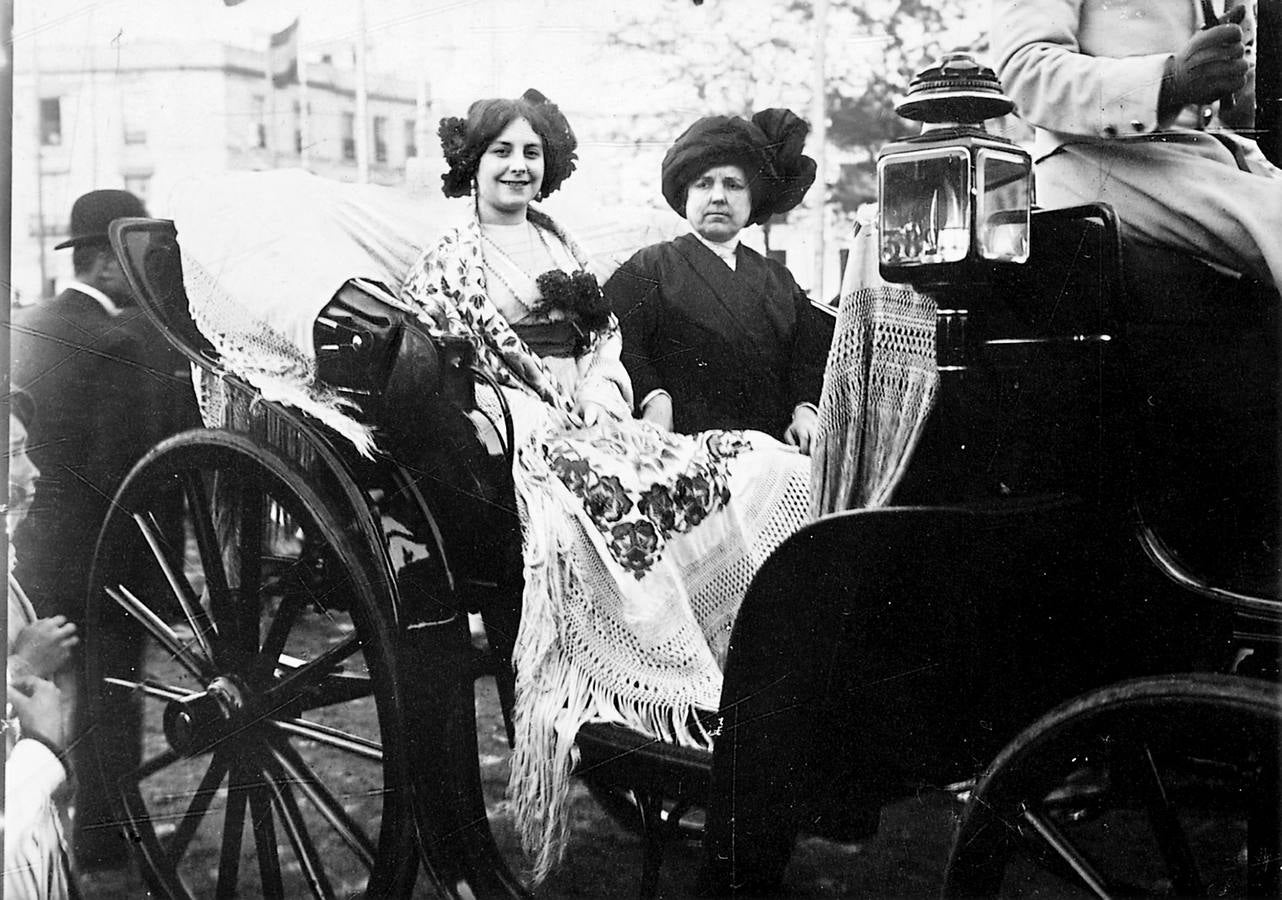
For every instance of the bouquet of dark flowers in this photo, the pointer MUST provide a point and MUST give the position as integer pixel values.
(578, 294)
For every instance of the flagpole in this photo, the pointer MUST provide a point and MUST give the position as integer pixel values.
(819, 123)
(304, 113)
(269, 112)
(362, 111)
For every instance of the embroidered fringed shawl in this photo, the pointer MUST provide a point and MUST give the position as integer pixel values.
(638, 548)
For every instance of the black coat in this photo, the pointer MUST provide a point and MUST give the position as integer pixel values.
(105, 393)
(735, 348)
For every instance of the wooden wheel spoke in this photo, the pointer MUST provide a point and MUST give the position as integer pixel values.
(265, 842)
(292, 821)
(148, 768)
(278, 632)
(297, 772)
(202, 520)
(195, 812)
(150, 688)
(192, 609)
(332, 737)
(160, 631)
(340, 688)
(252, 509)
(1167, 830)
(1056, 841)
(238, 786)
(310, 675)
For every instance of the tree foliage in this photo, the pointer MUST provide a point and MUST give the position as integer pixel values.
(739, 56)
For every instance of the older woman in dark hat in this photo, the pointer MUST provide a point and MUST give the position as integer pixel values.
(715, 335)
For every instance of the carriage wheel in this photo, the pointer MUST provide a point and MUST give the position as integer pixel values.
(1158, 787)
(238, 628)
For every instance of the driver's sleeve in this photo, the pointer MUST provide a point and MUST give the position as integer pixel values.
(1061, 87)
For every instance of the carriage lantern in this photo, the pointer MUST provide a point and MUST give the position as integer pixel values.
(954, 200)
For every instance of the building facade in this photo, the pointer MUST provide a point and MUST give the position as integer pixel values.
(147, 116)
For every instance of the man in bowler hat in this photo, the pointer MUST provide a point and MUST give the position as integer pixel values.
(104, 381)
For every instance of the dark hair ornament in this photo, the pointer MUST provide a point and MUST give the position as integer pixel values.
(456, 182)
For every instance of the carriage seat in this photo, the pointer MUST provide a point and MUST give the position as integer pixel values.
(1203, 377)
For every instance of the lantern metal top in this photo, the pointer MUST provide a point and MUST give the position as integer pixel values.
(956, 89)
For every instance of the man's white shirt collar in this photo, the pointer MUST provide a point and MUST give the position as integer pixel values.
(107, 304)
(726, 250)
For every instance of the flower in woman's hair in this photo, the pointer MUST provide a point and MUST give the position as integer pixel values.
(635, 545)
(457, 180)
(607, 500)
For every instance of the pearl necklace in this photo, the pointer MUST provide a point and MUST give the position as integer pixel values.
(494, 270)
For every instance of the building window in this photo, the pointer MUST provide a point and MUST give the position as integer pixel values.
(411, 148)
(258, 126)
(51, 121)
(380, 139)
(139, 186)
(349, 136)
(134, 115)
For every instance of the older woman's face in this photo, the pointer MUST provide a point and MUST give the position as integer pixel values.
(510, 174)
(718, 203)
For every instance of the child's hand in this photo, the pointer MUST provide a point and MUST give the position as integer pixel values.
(44, 646)
(38, 705)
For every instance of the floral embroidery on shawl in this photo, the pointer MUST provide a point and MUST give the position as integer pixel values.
(638, 516)
(447, 287)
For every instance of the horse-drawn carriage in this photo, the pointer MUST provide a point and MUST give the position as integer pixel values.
(305, 670)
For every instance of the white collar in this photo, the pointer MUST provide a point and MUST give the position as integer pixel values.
(107, 304)
(726, 250)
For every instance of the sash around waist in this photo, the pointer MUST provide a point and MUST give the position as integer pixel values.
(559, 339)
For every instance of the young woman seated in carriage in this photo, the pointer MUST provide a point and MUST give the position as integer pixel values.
(638, 543)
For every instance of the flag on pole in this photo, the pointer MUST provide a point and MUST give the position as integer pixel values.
(282, 55)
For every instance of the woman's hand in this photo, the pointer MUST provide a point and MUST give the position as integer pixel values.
(590, 412)
(659, 411)
(44, 647)
(801, 432)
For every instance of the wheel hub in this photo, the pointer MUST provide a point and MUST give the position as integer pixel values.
(193, 724)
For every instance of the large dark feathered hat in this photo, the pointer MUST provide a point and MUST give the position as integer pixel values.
(768, 148)
(94, 211)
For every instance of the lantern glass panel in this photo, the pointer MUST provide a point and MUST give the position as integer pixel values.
(925, 207)
(1002, 217)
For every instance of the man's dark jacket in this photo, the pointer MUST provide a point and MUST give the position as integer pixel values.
(105, 392)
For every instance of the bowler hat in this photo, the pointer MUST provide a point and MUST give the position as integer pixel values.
(94, 211)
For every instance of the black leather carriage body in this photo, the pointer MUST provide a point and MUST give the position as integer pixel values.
(370, 349)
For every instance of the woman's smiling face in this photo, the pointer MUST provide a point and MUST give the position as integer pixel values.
(509, 174)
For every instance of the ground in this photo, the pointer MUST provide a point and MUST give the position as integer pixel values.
(905, 859)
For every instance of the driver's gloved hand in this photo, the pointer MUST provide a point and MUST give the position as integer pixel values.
(1210, 66)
